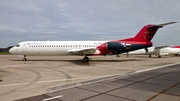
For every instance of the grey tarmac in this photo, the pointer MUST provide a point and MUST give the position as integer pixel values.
(49, 77)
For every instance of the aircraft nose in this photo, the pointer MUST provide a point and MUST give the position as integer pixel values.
(12, 50)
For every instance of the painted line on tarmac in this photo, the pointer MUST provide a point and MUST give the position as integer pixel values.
(59, 80)
(153, 68)
(105, 76)
(72, 85)
(55, 97)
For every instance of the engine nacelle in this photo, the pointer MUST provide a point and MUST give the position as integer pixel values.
(115, 46)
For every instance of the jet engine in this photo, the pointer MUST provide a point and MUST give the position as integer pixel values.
(114, 47)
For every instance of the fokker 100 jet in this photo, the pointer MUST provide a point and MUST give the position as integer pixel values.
(88, 48)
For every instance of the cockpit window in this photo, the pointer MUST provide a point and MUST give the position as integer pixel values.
(17, 45)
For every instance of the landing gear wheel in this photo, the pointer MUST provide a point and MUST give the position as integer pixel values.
(24, 59)
(117, 55)
(150, 55)
(127, 54)
(85, 59)
(159, 56)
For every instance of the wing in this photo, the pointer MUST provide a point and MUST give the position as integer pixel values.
(83, 51)
(160, 47)
(157, 49)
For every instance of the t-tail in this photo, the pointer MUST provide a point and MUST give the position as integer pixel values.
(146, 33)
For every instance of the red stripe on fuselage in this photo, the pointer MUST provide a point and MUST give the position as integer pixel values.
(175, 46)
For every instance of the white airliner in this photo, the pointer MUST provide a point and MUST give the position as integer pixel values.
(158, 51)
(89, 48)
(81, 48)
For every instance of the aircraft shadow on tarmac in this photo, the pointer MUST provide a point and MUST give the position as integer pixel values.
(80, 62)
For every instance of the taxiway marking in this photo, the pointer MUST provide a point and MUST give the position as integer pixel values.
(153, 68)
(50, 81)
(59, 80)
(55, 97)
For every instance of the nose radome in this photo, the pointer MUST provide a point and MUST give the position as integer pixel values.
(12, 50)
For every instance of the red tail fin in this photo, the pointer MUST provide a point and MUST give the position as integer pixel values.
(147, 33)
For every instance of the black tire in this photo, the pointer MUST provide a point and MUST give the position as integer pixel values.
(24, 59)
(85, 59)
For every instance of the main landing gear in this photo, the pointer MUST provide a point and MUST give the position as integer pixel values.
(177, 55)
(86, 59)
(159, 56)
(127, 54)
(24, 59)
(117, 55)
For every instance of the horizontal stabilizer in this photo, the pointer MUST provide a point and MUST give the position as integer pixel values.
(164, 24)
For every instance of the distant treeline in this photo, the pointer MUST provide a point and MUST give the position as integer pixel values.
(5, 49)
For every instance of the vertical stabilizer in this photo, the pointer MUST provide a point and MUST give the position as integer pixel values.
(147, 33)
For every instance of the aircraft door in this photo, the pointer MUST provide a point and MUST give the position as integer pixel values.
(24, 47)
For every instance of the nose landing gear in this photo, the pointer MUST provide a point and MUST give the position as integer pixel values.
(24, 59)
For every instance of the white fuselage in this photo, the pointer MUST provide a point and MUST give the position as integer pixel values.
(55, 47)
(153, 51)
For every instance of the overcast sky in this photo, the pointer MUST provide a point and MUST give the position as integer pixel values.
(32, 20)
